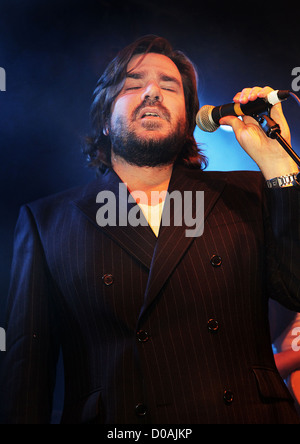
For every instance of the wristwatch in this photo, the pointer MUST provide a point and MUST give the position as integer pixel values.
(289, 180)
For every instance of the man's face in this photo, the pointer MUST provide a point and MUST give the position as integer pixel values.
(148, 118)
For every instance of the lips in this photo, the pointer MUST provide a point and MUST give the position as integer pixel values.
(150, 112)
(149, 115)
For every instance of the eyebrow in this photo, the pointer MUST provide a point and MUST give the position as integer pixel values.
(162, 76)
(135, 75)
(166, 78)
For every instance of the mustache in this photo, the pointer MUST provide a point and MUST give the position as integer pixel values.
(152, 102)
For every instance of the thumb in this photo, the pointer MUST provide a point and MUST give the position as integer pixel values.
(236, 124)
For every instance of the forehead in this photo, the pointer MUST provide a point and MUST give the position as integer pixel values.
(153, 62)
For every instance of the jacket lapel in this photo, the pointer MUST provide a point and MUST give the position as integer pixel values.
(172, 241)
(138, 241)
(160, 255)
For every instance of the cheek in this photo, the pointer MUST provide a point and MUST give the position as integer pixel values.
(178, 108)
(122, 109)
(117, 115)
(116, 109)
(182, 119)
(124, 104)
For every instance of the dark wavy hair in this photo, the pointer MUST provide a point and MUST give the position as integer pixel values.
(98, 146)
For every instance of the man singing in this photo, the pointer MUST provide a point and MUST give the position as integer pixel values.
(155, 327)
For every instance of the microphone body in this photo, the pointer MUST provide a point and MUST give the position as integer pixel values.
(208, 117)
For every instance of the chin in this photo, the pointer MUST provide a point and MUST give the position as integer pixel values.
(152, 135)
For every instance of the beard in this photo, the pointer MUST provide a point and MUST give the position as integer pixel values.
(146, 152)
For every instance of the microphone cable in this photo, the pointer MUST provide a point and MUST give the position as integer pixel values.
(295, 97)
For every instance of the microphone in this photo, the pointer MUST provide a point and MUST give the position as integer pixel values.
(208, 117)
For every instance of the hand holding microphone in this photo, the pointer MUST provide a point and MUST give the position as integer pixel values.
(208, 117)
(268, 154)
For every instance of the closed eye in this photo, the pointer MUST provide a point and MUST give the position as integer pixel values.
(139, 87)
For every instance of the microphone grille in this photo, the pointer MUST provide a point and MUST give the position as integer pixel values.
(204, 120)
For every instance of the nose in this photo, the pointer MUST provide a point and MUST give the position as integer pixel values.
(152, 92)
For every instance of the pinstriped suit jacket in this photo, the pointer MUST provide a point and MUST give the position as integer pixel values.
(203, 352)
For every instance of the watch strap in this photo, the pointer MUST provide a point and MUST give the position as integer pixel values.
(288, 180)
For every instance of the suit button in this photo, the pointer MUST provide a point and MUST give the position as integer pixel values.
(216, 260)
(228, 396)
(142, 336)
(108, 279)
(213, 325)
(140, 409)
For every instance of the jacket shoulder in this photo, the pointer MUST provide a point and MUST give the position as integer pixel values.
(53, 207)
(236, 176)
(242, 179)
(58, 200)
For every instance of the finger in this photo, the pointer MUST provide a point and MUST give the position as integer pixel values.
(249, 120)
(247, 94)
(244, 95)
(264, 92)
(236, 124)
(251, 94)
(236, 98)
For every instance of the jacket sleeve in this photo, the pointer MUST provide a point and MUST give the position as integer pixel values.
(283, 222)
(29, 365)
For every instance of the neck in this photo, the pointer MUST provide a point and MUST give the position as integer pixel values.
(145, 179)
